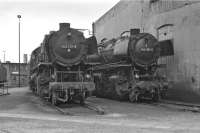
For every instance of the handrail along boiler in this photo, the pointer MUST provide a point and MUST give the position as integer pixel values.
(57, 67)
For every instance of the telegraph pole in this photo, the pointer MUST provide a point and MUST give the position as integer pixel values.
(19, 16)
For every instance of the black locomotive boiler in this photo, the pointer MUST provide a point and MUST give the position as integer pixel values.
(57, 69)
(128, 67)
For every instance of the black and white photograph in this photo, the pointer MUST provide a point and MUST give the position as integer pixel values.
(99, 66)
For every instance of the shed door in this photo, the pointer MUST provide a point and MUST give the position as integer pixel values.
(165, 38)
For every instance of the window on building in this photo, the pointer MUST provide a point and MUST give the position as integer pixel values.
(165, 38)
(166, 48)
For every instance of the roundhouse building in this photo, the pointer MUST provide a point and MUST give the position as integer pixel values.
(176, 24)
(13, 74)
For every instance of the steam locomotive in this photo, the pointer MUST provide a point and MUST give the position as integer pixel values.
(57, 68)
(126, 68)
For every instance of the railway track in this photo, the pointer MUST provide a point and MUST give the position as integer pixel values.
(62, 111)
(96, 108)
(67, 110)
(178, 106)
(99, 110)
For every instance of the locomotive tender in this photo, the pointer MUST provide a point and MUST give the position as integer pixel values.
(128, 67)
(57, 68)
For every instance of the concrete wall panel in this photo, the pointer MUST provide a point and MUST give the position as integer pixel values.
(123, 16)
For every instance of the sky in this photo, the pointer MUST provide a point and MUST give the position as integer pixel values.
(41, 16)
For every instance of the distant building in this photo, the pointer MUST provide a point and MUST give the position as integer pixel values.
(13, 74)
(25, 58)
(176, 24)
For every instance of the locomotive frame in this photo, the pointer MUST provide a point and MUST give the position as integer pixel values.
(59, 88)
(65, 91)
(123, 83)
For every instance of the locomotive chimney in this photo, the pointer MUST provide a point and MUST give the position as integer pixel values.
(134, 31)
(51, 32)
(64, 26)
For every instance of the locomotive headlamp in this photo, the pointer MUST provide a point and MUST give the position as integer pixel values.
(69, 34)
(87, 76)
(68, 50)
(53, 76)
(137, 76)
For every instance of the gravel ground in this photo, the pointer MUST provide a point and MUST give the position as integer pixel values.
(22, 112)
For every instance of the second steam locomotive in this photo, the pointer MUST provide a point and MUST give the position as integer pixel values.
(128, 67)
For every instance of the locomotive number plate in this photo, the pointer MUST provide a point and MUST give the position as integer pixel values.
(146, 49)
(69, 45)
